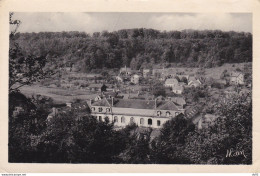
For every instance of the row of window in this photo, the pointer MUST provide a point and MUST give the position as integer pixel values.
(168, 113)
(132, 120)
(100, 109)
(159, 113)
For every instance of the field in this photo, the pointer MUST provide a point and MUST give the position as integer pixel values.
(59, 95)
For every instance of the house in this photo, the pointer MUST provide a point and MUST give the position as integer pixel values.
(135, 79)
(157, 73)
(171, 82)
(236, 78)
(177, 89)
(145, 113)
(119, 79)
(178, 100)
(95, 87)
(126, 70)
(146, 73)
(53, 114)
(193, 82)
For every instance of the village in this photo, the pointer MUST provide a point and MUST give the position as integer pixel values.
(150, 97)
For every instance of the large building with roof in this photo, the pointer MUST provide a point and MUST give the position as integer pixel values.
(145, 113)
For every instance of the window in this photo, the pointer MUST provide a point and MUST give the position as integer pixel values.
(158, 123)
(100, 109)
(168, 113)
(150, 121)
(93, 109)
(100, 118)
(159, 113)
(142, 121)
(108, 109)
(132, 120)
(123, 119)
(106, 119)
(115, 119)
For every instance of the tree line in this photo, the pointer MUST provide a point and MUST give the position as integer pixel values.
(137, 48)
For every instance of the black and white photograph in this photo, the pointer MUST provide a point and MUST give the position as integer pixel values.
(130, 88)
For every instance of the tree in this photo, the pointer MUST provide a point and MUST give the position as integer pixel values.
(232, 130)
(23, 70)
(167, 149)
(137, 149)
(184, 79)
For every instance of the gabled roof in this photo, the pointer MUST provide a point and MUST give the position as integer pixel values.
(197, 82)
(102, 102)
(123, 69)
(168, 106)
(171, 81)
(178, 100)
(235, 74)
(177, 87)
(133, 103)
(95, 85)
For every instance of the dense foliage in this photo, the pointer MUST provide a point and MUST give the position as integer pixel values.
(72, 137)
(137, 48)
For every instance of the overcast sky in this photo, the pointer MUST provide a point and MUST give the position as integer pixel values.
(97, 22)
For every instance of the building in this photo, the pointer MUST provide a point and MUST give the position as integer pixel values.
(95, 87)
(145, 113)
(193, 82)
(135, 79)
(178, 100)
(171, 82)
(177, 89)
(119, 79)
(146, 73)
(126, 70)
(237, 78)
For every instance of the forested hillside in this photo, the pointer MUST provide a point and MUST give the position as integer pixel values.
(137, 48)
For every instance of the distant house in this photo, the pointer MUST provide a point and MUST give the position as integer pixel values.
(221, 81)
(193, 82)
(119, 79)
(236, 78)
(95, 87)
(171, 82)
(177, 89)
(126, 70)
(135, 79)
(157, 73)
(53, 114)
(146, 73)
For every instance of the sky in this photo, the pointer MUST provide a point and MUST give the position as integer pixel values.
(98, 22)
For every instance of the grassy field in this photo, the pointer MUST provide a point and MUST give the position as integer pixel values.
(59, 95)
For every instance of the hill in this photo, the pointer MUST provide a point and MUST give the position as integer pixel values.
(137, 48)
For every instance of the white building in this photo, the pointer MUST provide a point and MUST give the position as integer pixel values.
(236, 78)
(126, 70)
(171, 82)
(142, 112)
(135, 79)
(177, 89)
